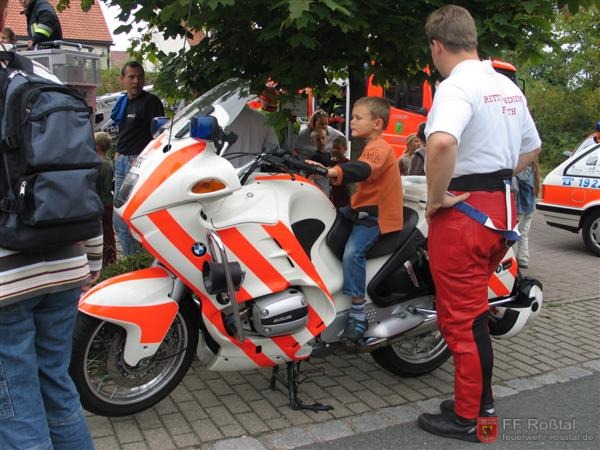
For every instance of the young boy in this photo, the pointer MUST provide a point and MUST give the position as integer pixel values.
(340, 195)
(376, 207)
(104, 184)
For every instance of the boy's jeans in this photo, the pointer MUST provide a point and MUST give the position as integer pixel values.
(39, 405)
(129, 245)
(362, 238)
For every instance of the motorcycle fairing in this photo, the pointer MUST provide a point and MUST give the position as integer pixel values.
(139, 302)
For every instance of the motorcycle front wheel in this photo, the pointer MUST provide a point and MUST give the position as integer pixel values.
(109, 386)
(414, 356)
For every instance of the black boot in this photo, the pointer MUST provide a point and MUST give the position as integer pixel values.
(447, 407)
(450, 426)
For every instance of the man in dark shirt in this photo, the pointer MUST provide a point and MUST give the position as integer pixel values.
(133, 115)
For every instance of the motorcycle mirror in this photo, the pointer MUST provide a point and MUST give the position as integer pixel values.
(156, 124)
(204, 127)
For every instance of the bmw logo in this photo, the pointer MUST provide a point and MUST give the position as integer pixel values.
(199, 249)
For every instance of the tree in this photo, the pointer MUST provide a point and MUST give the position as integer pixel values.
(303, 43)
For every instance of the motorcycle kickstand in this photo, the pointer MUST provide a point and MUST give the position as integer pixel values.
(291, 382)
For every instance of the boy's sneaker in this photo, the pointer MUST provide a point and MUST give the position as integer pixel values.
(447, 407)
(354, 329)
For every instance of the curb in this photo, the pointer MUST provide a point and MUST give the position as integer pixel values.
(294, 437)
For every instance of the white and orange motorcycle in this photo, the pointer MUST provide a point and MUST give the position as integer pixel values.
(248, 274)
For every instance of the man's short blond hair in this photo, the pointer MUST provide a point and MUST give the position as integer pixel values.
(103, 140)
(378, 107)
(454, 27)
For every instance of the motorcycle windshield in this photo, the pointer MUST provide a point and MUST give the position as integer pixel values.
(225, 102)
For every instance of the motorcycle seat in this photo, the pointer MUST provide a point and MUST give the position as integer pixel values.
(388, 243)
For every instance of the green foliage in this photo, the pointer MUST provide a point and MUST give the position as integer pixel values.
(126, 264)
(300, 43)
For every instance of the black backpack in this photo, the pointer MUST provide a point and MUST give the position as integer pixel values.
(48, 162)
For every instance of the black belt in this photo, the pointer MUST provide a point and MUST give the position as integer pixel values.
(492, 181)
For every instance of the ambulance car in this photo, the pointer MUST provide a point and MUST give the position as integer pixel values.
(571, 196)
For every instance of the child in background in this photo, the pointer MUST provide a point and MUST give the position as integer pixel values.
(528, 182)
(104, 186)
(376, 207)
(8, 36)
(340, 195)
(318, 138)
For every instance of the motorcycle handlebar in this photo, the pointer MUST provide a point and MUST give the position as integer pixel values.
(308, 168)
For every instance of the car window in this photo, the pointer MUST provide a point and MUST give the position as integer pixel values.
(586, 165)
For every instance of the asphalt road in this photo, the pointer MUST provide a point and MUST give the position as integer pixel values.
(576, 403)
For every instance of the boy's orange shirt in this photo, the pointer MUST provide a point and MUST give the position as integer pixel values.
(383, 188)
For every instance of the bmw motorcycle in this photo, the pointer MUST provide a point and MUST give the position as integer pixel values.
(248, 274)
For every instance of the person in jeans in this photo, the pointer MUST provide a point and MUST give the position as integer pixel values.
(39, 291)
(133, 113)
(376, 207)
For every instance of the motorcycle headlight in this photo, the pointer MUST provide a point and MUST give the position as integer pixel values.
(126, 188)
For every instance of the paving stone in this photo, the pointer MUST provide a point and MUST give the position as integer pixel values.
(295, 417)
(148, 419)
(206, 430)
(265, 410)
(106, 443)
(206, 398)
(235, 404)
(165, 406)
(431, 405)
(277, 424)
(128, 432)
(247, 392)
(374, 401)
(135, 446)
(331, 430)
(159, 440)
(252, 423)
(220, 416)
(232, 430)
(186, 440)
(245, 442)
(219, 387)
(287, 439)
(358, 407)
(176, 424)
(100, 426)
(192, 411)
(181, 394)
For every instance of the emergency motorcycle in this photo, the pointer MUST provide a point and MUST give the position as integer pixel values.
(248, 274)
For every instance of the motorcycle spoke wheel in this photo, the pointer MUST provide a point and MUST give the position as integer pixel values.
(109, 386)
(414, 356)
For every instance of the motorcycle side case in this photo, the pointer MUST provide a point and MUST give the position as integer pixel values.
(140, 303)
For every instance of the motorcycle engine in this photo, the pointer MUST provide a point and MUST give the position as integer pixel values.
(281, 313)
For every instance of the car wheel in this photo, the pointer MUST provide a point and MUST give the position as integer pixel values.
(591, 231)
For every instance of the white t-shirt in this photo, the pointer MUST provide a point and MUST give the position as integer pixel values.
(487, 114)
(253, 134)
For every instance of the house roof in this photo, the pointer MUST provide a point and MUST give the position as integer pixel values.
(77, 25)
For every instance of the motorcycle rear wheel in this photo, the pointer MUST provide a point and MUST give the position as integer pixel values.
(414, 356)
(108, 386)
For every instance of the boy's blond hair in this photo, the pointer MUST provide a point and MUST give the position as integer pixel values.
(103, 140)
(318, 135)
(378, 107)
(454, 27)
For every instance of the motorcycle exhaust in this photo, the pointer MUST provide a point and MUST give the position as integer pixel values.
(373, 343)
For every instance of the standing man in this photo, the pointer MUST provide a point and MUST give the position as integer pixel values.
(479, 132)
(133, 114)
(42, 22)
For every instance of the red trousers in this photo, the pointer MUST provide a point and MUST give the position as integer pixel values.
(463, 255)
